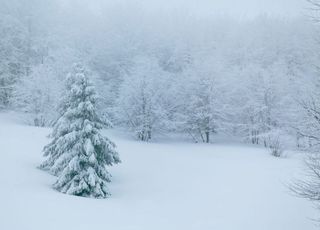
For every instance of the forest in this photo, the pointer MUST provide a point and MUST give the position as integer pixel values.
(152, 74)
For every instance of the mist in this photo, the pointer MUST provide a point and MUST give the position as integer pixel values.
(208, 106)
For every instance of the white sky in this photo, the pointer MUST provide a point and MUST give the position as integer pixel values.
(232, 8)
(243, 8)
(252, 7)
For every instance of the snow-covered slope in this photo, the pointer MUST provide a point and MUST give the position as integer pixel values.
(158, 186)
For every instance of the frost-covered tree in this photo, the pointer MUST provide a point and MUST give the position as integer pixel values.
(37, 94)
(200, 114)
(309, 120)
(79, 153)
(262, 105)
(308, 128)
(140, 103)
(12, 56)
(309, 187)
(201, 106)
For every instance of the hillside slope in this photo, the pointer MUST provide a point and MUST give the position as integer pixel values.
(158, 186)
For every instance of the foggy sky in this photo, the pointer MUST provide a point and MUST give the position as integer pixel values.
(251, 8)
(232, 8)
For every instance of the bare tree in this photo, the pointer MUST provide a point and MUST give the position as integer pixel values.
(309, 187)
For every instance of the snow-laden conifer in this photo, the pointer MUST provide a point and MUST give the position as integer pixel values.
(78, 153)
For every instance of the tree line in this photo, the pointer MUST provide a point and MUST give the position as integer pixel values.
(246, 79)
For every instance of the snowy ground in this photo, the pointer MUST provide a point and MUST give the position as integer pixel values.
(158, 186)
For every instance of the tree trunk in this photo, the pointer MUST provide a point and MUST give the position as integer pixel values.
(149, 135)
(207, 137)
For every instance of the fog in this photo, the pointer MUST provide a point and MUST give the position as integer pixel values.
(245, 47)
(189, 70)
(205, 8)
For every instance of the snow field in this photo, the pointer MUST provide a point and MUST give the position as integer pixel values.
(158, 186)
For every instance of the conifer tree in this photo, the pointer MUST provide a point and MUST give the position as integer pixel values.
(78, 153)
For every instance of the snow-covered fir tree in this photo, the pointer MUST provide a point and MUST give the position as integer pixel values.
(78, 153)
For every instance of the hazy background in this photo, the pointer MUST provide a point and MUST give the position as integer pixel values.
(248, 47)
(231, 8)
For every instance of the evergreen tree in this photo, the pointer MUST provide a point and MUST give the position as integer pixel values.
(78, 152)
